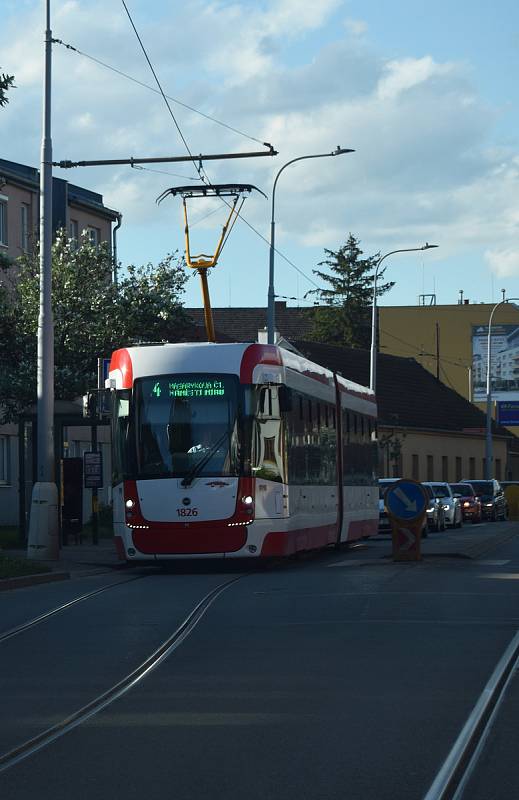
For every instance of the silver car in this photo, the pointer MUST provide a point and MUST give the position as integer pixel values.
(451, 504)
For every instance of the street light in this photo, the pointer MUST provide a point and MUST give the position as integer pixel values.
(271, 311)
(488, 443)
(373, 358)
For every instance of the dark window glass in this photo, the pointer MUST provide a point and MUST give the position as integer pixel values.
(185, 423)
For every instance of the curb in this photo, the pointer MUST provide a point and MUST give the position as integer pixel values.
(32, 580)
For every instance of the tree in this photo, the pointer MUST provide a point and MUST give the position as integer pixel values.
(92, 317)
(345, 317)
(6, 82)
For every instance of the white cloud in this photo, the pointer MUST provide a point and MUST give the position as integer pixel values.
(503, 263)
(404, 74)
(426, 166)
(357, 27)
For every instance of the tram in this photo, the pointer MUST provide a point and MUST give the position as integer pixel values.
(237, 450)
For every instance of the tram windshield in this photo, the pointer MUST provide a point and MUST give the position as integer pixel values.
(186, 425)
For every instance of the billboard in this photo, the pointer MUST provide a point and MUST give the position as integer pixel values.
(504, 371)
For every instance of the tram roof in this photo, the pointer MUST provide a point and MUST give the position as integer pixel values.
(252, 362)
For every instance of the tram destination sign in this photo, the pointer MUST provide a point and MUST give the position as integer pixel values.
(193, 388)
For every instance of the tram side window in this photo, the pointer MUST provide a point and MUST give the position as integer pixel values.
(120, 436)
(311, 445)
(267, 439)
(359, 453)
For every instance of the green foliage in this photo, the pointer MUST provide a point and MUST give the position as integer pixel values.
(92, 317)
(345, 317)
(6, 82)
(17, 567)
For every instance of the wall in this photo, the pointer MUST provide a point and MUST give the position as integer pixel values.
(410, 331)
(16, 196)
(451, 446)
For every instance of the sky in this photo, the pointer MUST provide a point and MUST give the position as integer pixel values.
(425, 93)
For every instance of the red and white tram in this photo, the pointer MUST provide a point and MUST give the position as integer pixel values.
(238, 450)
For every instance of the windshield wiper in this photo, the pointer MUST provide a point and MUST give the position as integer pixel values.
(188, 479)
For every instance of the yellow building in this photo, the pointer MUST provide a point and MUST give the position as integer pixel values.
(440, 338)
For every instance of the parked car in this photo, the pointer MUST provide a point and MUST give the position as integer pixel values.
(384, 524)
(493, 501)
(470, 502)
(451, 504)
(434, 511)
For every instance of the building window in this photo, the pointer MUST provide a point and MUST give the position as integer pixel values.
(24, 227)
(3, 220)
(458, 468)
(73, 233)
(4, 461)
(445, 469)
(415, 468)
(430, 468)
(472, 468)
(94, 236)
(498, 469)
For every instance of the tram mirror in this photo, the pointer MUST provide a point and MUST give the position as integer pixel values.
(285, 398)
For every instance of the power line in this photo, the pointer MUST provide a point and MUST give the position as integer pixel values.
(163, 172)
(156, 91)
(197, 167)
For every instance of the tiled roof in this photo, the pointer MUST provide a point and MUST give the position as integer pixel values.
(243, 324)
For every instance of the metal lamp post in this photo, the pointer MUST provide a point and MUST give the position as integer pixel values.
(373, 356)
(489, 456)
(271, 311)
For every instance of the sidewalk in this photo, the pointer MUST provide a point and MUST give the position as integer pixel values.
(75, 561)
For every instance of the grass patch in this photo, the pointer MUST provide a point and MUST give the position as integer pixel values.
(16, 567)
(9, 537)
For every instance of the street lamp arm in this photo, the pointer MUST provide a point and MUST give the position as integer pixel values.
(338, 152)
(489, 456)
(403, 250)
(271, 310)
(373, 354)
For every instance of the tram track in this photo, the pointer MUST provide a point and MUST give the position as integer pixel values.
(31, 746)
(25, 626)
(453, 777)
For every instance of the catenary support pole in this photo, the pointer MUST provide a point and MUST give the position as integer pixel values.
(43, 540)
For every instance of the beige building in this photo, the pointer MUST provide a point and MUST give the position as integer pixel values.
(73, 208)
(440, 339)
(76, 210)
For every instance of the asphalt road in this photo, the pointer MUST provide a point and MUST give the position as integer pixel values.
(341, 675)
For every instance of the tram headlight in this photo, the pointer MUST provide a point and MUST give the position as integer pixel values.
(247, 500)
(130, 503)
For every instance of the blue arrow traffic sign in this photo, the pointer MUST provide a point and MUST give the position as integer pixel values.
(405, 500)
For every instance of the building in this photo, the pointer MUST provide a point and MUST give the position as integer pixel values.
(76, 210)
(243, 324)
(450, 341)
(73, 208)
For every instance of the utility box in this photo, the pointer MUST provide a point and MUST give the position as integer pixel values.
(71, 498)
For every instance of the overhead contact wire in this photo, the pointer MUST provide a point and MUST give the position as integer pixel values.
(197, 167)
(156, 91)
